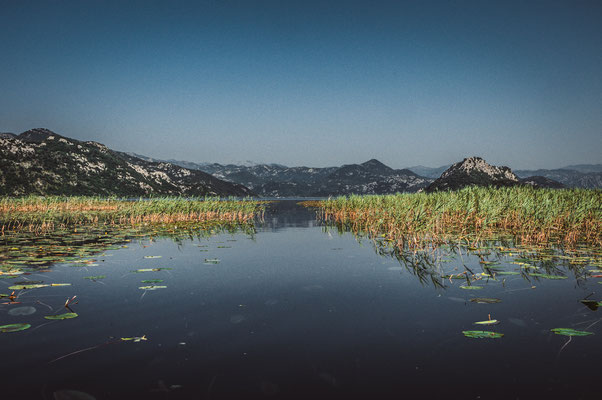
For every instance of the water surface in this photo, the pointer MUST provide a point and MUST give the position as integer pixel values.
(296, 311)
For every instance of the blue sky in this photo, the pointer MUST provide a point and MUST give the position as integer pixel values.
(311, 82)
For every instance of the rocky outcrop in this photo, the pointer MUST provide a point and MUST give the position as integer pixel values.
(473, 171)
(42, 162)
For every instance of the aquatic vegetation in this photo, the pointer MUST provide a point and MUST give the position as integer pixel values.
(26, 310)
(570, 332)
(14, 327)
(483, 334)
(152, 287)
(62, 316)
(41, 214)
(152, 281)
(95, 278)
(485, 300)
(528, 215)
(134, 339)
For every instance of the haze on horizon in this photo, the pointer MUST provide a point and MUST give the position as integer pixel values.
(311, 83)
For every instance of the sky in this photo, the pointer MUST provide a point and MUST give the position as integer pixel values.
(315, 83)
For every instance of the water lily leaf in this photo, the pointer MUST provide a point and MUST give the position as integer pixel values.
(212, 261)
(546, 276)
(150, 257)
(135, 338)
(151, 269)
(592, 304)
(482, 334)
(507, 273)
(152, 281)
(60, 284)
(485, 300)
(570, 332)
(152, 287)
(26, 310)
(95, 278)
(23, 287)
(488, 322)
(14, 327)
(68, 315)
(471, 287)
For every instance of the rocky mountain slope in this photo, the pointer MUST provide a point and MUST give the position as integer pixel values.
(476, 171)
(276, 180)
(40, 161)
(569, 177)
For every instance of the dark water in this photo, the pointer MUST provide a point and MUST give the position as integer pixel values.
(296, 311)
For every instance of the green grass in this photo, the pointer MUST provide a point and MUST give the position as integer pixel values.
(531, 215)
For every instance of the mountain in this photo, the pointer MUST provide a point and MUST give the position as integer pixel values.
(585, 168)
(473, 171)
(569, 177)
(276, 180)
(428, 171)
(476, 171)
(40, 161)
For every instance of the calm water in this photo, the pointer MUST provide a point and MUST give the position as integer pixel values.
(295, 311)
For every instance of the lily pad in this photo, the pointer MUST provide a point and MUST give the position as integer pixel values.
(95, 278)
(212, 261)
(27, 310)
(14, 327)
(23, 287)
(68, 315)
(152, 257)
(570, 332)
(488, 322)
(507, 273)
(485, 300)
(546, 276)
(151, 269)
(482, 334)
(152, 287)
(152, 281)
(471, 287)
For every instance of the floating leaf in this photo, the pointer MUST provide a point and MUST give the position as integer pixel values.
(488, 322)
(152, 257)
(14, 327)
(485, 300)
(152, 287)
(471, 287)
(134, 339)
(95, 278)
(23, 287)
(592, 304)
(546, 276)
(212, 261)
(507, 273)
(151, 269)
(570, 332)
(27, 310)
(60, 284)
(152, 281)
(482, 334)
(68, 315)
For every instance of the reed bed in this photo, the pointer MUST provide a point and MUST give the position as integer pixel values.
(36, 213)
(530, 215)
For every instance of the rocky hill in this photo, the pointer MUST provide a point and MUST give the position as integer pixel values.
(40, 161)
(474, 171)
(569, 177)
(276, 180)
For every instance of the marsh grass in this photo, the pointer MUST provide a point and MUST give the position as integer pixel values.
(42, 214)
(566, 217)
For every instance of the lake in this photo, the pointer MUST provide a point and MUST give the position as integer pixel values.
(300, 310)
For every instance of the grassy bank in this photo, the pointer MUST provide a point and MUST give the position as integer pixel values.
(530, 215)
(47, 213)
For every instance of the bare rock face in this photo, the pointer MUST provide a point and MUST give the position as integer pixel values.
(473, 171)
(42, 162)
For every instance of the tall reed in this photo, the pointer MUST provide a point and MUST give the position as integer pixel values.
(531, 215)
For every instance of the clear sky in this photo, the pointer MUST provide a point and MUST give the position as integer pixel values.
(315, 83)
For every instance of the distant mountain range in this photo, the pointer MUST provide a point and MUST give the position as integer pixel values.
(40, 161)
(276, 180)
